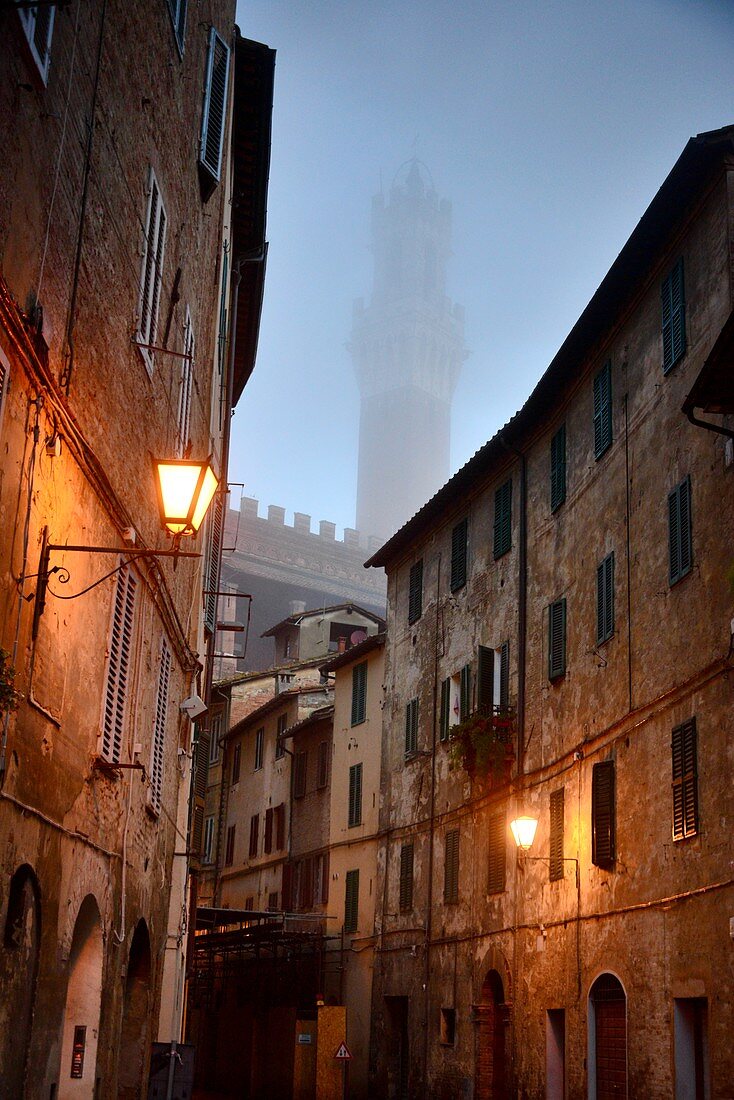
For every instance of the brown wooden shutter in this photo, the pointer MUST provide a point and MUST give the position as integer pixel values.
(280, 826)
(685, 780)
(451, 867)
(497, 845)
(406, 878)
(415, 592)
(602, 814)
(268, 842)
(445, 719)
(556, 834)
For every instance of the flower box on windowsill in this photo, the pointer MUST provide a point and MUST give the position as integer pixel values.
(482, 745)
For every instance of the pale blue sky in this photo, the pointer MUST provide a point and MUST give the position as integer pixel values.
(548, 125)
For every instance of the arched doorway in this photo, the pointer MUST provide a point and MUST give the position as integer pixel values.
(83, 998)
(134, 1031)
(21, 943)
(607, 1039)
(491, 1056)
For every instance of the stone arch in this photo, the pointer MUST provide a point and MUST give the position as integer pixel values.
(21, 945)
(492, 1070)
(607, 1038)
(77, 1073)
(135, 1016)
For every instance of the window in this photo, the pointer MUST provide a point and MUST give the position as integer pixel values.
(280, 826)
(674, 317)
(259, 745)
(355, 795)
(445, 716)
(465, 693)
(503, 519)
(415, 592)
(351, 901)
(459, 547)
(680, 536)
(603, 410)
(448, 1027)
(215, 732)
(38, 24)
(279, 746)
(451, 867)
(557, 639)
(229, 848)
(236, 755)
(605, 599)
(406, 878)
(268, 836)
(208, 846)
(497, 852)
(177, 8)
(300, 761)
(558, 468)
(602, 814)
(322, 770)
(152, 271)
(249, 903)
(118, 667)
(273, 901)
(254, 834)
(485, 680)
(411, 727)
(685, 780)
(359, 693)
(183, 418)
(159, 729)
(556, 834)
(215, 110)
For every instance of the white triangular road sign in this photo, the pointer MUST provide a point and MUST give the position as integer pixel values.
(343, 1051)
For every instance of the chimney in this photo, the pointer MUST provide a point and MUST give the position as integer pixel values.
(327, 530)
(276, 514)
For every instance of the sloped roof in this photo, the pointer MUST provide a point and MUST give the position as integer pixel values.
(294, 620)
(373, 641)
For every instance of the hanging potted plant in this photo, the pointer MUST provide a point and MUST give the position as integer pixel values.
(479, 746)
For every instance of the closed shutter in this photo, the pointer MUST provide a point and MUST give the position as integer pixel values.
(485, 680)
(359, 693)
(325, 878)
(465, 693)
(215, 109)
(415, 592)
(280, 826)
(451, 867)
(556, 834)
(558, 468)
(268, 838)
(445, 710)
(351, 901)
(299, 774)
(213, 562)
(557, 639)
(674, 317)
(497, 846)
(355, 795)
(603, 410)
(197, 828)
(406, 878)
(254, 834)
(229, 848)
(159, 728)
(505, 676)
(602, 814)
(201, 763)
(680, 532)
(118, 668)
(503, 519)
(152, 271)
(459, 555)
(685, 780)
(323, 765)
(605, 599)
(411, 727)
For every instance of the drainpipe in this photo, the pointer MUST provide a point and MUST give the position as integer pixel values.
(728, 432)
(429, 913)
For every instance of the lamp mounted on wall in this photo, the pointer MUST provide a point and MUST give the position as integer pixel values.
(185, 491)
(524, 829)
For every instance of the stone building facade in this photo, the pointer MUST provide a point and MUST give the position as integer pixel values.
(560, 640)
(117, 244)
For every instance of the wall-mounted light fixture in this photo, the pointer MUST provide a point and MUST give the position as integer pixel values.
(524, 829)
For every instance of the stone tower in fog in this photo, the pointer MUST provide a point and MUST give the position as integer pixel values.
(408, 347)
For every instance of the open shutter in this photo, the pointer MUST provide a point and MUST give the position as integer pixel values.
(465, 693)
(603, 410)
(415, 592)
(411, 726)
(280, 826)
(558, 468)
(605, 599)
(451, 867)
(602, 814)
(497, 845)
(673, 316)
(557, 639)
(268, 839)
(351, 901)
(503, 519)
(159, 728)
(215, 110)
(213, 562)
(685, 780)
(355, 795)
(680, 540)
(459, 555)
(485, 680)
(556, 834)
(359, 693)
(504, 676)
(118, 669)
(445, 710)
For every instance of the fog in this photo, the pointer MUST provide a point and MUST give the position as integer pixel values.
(548, 126)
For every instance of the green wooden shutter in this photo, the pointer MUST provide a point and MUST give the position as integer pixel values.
(406, 878)
(445, 710)
(605, 599)
(351, 901)
(673, 303)
(505, 676)
(503, 519)
(465, 693)
(680, 532)
(359, 693)
(497, 845)
(556, 834)
(603, 410)
(685, 780)
(557, 639)
(415, 592)
(355, 795)
(558, 468)
(451, 867)
(485, 680)
(411, 726)
(459, 554)
(602, 814)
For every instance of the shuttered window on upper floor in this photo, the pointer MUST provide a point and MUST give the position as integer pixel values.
(451, 868)
(556, 834)
(37, 21)
(151, 275)
(259, 748)
(351, 901)
(411, 727)
(355, 796)
(504, 699)
(322, 766)
(558, 468)
(229, 846)
(177, 10)
(254, 835)
(459, 553)
(605, 599)
(503, 519)
(159, 728)
(300, 761)
(603, 814)
(415, 592)
(444, 721)
(185, 386)
(268, 834)
(673, 304)
(279, 736)
(406, 878)
(215, 536)
(118, 666)
(603, 410)
(497, 851)
(680, 531)
(557, 639)
(214, 116)
(485, 680)
(359, 693)
(465, 693)
(685, 780)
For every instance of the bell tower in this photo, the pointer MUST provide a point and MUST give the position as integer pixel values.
(408, 348)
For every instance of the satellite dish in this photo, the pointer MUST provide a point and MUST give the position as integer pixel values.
(358, 636)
